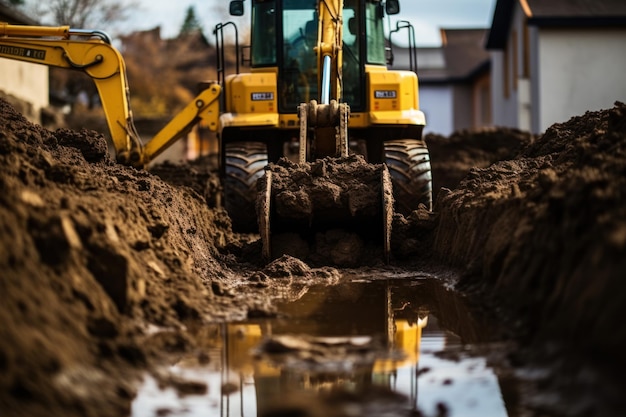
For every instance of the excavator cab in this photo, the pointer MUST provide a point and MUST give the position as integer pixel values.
(285, 35)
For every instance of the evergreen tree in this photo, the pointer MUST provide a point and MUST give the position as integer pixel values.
(191, 22)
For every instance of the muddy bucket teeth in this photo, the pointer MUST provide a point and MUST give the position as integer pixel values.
(325, 196)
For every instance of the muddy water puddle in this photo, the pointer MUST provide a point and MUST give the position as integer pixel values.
(363, 347)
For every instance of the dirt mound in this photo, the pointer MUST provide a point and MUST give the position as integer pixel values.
(545, 234)
(200, 175)
(452, 157)
(91, 251)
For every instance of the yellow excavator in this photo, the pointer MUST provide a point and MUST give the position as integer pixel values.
(318, 83)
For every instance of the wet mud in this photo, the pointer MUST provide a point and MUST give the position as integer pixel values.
(96, 257)
(400, 340)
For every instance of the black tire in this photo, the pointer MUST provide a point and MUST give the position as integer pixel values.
(408, 161)
(244, 165)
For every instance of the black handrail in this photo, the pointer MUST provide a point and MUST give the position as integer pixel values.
(219, 49)
(404, 24)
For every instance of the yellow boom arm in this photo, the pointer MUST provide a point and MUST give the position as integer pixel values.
(92, 53)
(330, 45)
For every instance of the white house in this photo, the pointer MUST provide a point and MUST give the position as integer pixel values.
(24, 85)
(552, 60)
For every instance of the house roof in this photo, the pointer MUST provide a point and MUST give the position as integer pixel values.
(10, 14)
(555, 13)
(464, 51)
(462, 57)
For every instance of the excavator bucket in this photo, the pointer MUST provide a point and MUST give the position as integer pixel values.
(342, 192)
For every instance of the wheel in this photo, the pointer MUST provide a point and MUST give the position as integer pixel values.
(244, 165)
(409, 165)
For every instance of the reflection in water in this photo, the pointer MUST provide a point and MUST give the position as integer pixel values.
(406, 336)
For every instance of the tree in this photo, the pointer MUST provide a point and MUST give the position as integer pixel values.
(191, 23)
(83, 13)
(164, 73)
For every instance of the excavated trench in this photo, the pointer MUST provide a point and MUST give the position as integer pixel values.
(118, 281)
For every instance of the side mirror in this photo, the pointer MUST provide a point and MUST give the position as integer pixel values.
(392, 7)
(236, 8)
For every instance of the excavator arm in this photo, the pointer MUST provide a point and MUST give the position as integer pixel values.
(91, 52)
(329, 48)
(327, 117)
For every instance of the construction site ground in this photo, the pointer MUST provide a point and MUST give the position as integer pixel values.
(105, 268)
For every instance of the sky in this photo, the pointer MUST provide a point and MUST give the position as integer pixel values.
(427, 16)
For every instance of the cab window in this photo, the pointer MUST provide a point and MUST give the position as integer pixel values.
(375, 33)
(263, 47)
